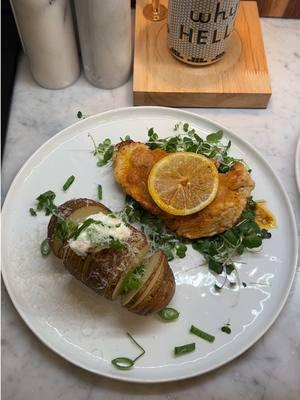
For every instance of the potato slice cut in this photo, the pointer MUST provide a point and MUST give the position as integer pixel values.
(156, 291)
(150, 269)
(160, 295)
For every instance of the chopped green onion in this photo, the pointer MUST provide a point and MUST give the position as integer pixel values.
(203, 335)
(244, 284)
(187, 348)
(32, 212)
(168, 314)
(68, 182)
(122, 363)
(100, 192)
(226, 329)
(116, 244)
(85, 225)
(79, 115)
(125, 363)
(45, 248)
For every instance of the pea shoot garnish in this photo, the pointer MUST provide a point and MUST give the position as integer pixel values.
(100, 192)
(188, 140)
(45, 248)
(159, 236)
(220, 251)
(203, 335)
(186, 348)
(68, 182)
(125, 363)
(226, 328)
(104, 151)
(168, 314)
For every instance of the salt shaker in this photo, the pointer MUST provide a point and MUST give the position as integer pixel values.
(105, 40)
(48, 38)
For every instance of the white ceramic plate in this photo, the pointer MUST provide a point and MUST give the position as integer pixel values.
(297, 164)
(88, 330)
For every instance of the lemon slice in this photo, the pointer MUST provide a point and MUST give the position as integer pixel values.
(183, 183)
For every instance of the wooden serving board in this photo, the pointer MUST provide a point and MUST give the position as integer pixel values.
(239, 80)
(279, 8)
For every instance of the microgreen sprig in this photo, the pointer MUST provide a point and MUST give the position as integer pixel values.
(188, 140)
(103, 151)
(220, 251)
(159, 236)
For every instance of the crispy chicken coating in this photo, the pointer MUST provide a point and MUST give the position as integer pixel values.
(132, 164)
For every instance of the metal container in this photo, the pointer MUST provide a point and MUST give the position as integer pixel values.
(199, 30)
(105, 40)
(47, 34)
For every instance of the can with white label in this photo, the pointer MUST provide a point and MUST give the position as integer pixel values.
(199, 30)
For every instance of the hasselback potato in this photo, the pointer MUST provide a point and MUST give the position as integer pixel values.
(85, 235)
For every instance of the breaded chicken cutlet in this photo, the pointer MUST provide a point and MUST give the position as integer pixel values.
(132, 163)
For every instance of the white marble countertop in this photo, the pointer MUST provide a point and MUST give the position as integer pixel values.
(270, 369)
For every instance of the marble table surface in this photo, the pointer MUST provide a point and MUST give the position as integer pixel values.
(270, 369)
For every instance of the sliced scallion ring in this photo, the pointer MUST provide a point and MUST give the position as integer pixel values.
(122, 363)
(168, 314)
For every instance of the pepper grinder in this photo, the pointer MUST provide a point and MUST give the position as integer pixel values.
(47, 35)
(104, 29)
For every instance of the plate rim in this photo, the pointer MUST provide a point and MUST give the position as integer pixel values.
(236, 137)
(297, 164)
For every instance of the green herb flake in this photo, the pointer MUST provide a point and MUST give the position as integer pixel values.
(68, 182)
(117, 244)
(181, 250)
(244, 284)
(45, 248)
(100, 192)
(168, 314)
(32, 212)
(187, 348)
(45, 202)
(203, 335)
(185, 127)
(79, 115)
(132, 280)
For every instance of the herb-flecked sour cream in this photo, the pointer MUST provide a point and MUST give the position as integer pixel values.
(108, 228)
